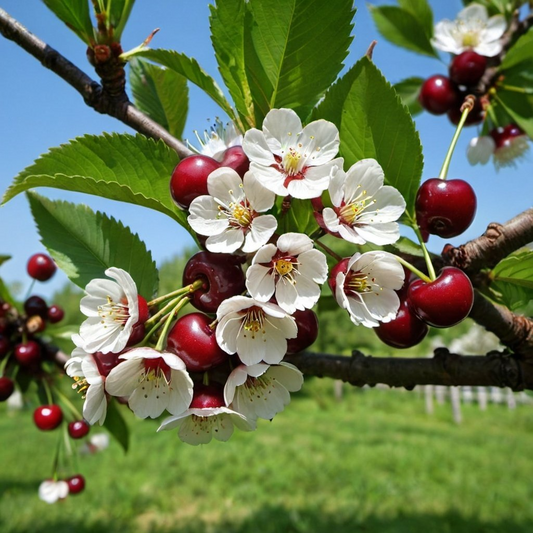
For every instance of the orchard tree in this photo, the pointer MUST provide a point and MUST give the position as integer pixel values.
(298, 203)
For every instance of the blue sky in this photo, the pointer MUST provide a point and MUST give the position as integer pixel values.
(39, 111)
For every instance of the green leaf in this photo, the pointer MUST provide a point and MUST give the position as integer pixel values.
(190, 69)
(299, 48)
(512, 278)
(116, 424)
(118, 14)
(299, 218)
(407, 246)
(75, 14)
(408, 90)
(124, 167)
(402, 28)
(376, 124)
(5, 294)
(161, 94)
(4, 258)
(421, 10)
(227, 22)
(521, 51)
(84, 244)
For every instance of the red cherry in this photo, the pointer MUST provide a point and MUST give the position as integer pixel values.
(467, 68)
(307, 323)
(78, 429)
(475, 116)
(222, 275)
(189, 178)
(235, 158)
(405, 331)
(48, 417)
(7, 386)
(105, 362)
(445, 207)
(41, 267)
(5, 346)
(207, 396)
(76, 484)
(438, 94)
(35, 305)
(502, 136)
(28, 353)
(144, 312)
(193, 341)
(55, 314)
(444, 302)
(341, 266)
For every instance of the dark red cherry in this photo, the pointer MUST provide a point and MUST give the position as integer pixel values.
(7, 386)
(235, 158)
(194, 342)
(35, 305)
(405, 331)
(438, 94)
(78, 429)
(341, 266)
(445, 207)
(189, 178)
(475, 116)
(444, 302)
(307, 323)
(467, 68)
(55, 314)
(503, 135)
(48, 417)
(41, 267)
(207, 396)
(5, 346)
(222, 276)
(76, 484)
(144, 312)
(28, 353)
(105, 362)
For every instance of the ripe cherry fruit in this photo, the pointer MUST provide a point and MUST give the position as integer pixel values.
(48, 417)
(41, 267)
(467, 68)
(445, 207)
(194, 342)
(207, 396)
(7, 386)
(222, 276)
(235, 158)
(28, 353)
(189, 178)
(438, 94)
(78, 429)
(307, 323)
(55, 314)
(443, 302)
(76, 484)
(35, 305)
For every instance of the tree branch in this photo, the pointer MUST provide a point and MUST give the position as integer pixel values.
(494, 369)
(91, 91)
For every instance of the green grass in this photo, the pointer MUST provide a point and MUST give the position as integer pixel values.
(373, 463)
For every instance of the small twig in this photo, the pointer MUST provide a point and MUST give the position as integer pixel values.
(370, 50)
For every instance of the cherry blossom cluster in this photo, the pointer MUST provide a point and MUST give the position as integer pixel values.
(233, 372)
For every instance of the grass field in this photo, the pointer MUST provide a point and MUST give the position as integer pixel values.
(374, 462)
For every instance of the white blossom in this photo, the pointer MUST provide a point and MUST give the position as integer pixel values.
(153, 381)
(290, 159)
(261, 391)
(256, 331)
(364, 210)
(480, 149)
(51, 491)
(367, 288)
(471, 30)
(218, 140)
(230, 214)
(292, 269)
(112, 309)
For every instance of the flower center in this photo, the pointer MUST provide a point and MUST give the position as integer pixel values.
(80, 384)
(291, 162)
(114, 311)
(471, 39)
(283, 267)
(240, 214)
(155, 369)
(253, 322)
(357, 282)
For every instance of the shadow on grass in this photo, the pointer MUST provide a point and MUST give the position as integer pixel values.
(277, 519)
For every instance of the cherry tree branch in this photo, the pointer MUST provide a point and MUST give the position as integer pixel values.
(444, 368)
(92, 92)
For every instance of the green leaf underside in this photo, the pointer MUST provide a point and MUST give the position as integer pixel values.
(513, 279)
(123, 167)
(521, 51)
(402, 28)
(299, 218)
(408, 90)
(75, 14)
(421, 10)
(116, 425)
(161, 94)
(119, 12)
(227, 37)
(190, 69)
(375, 124)
(84, 243)
(298, 49)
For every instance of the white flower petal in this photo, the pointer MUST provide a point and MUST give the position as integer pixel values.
(261, 229)
(124, 378)
(227, 242)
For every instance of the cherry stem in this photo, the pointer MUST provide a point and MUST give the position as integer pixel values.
(427, 258)
(205, 379)
(48, 391)
(156, 319)
(69, 404)
(515, 89)
(328, 250)
(184, 290)
(3, 365)
(465, 108)
(413, 269)
(171, 316)
(30, 288)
